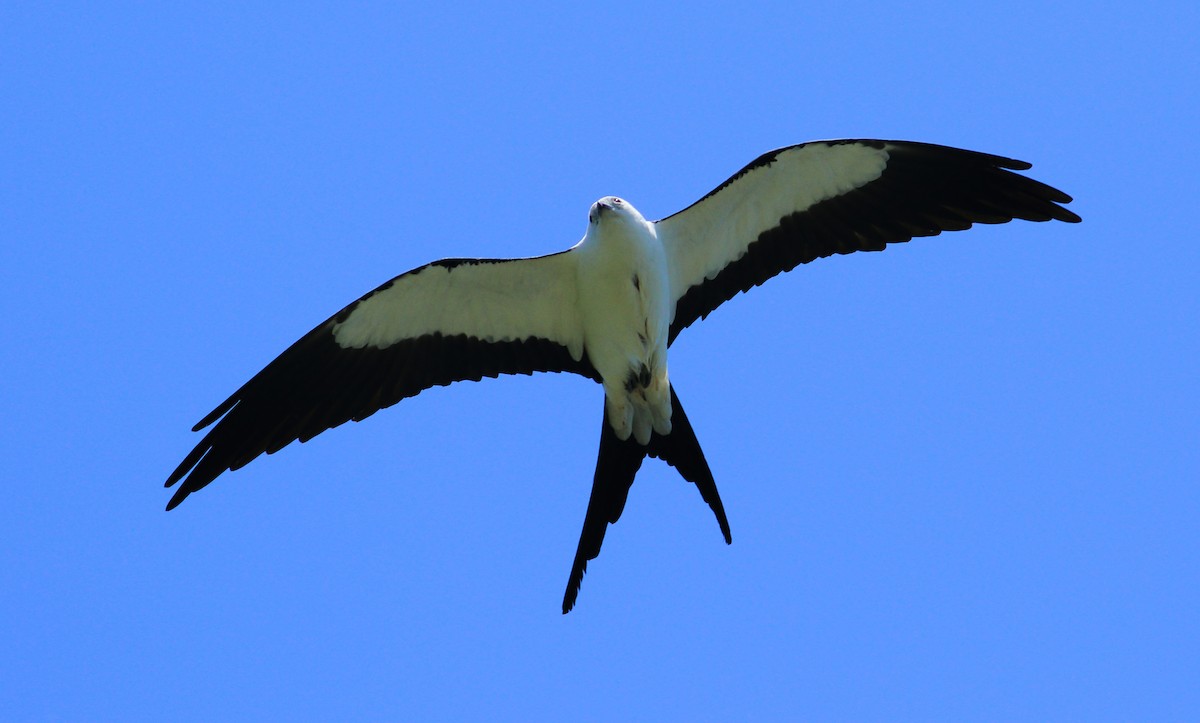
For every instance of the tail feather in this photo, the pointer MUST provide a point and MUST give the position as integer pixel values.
(617, 464)
(681, 450)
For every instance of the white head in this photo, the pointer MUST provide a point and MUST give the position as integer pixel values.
(611, 208)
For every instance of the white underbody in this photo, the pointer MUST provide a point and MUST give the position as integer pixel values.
(625, 308)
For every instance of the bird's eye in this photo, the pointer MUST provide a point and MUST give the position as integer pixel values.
(617, 202)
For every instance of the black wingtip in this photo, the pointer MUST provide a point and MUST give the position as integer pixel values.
(574, 582)
(719, 511)
(569, 597)
(1066, 215)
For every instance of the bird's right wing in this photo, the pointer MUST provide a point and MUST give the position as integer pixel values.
(451, 320)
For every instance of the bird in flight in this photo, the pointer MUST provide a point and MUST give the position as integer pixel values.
(609, 307)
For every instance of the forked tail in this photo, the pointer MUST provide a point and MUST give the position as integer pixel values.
(616, 466)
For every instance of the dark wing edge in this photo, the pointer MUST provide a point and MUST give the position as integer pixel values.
(924, 189)
(616, 466)
(316, 385)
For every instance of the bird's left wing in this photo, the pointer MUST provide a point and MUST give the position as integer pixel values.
(451, 320)
(796, 204)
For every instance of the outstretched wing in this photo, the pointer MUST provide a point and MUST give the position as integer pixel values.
(451, 320)
(804, 202)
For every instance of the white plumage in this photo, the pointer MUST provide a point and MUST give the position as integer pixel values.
(609, 307)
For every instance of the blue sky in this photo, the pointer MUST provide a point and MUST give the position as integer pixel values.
(962, 475)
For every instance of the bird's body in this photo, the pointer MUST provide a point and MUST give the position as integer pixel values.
(609, 307)
(625, 305)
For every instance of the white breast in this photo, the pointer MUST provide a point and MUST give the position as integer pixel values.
(626, 313)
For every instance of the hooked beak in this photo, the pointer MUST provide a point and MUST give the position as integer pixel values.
(598, 208)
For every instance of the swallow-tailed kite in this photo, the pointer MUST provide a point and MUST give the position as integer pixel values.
(609, 307)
